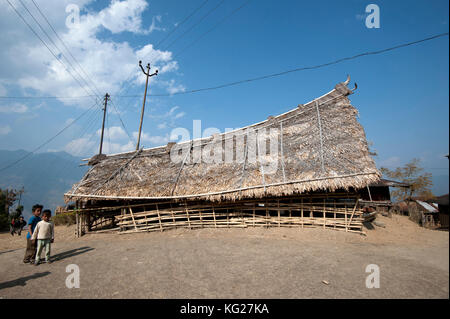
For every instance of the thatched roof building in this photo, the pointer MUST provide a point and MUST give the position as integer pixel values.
(318, 146)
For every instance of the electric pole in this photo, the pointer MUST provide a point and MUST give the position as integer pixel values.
(145, 95)
(103, 124)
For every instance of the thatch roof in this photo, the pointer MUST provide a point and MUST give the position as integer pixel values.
(321, 146)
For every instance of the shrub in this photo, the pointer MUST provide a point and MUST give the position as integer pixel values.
(64, 219)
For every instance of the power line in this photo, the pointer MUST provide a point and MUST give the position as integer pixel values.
(45, 44)
(47, 97)
(263, 76)
(215, 26)
(128, 78)
(90, 123)
(160, 42)
(194, 25)
(179, 24)
(120, 118)
(302, 68)
(48, 141)
(57, 48)
(65, 46)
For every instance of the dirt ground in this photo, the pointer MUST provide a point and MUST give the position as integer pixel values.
(235, 263)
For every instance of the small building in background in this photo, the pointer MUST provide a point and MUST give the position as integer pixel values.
(378, 195)
(442, 202)
(424, 212)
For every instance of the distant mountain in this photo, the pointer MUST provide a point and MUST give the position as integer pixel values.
(44, 176)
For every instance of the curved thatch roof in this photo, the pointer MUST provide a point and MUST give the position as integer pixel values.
(320, 146)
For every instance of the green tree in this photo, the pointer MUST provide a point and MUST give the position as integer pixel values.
(7, 199)
(412, 174)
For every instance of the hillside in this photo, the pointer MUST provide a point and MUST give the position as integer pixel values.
(45, 176)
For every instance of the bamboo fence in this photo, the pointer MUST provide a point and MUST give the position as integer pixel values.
(328, 212)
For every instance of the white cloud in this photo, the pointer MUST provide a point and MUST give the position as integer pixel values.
(84, 146)
(114, 133)
(155, 140)
(153, 26)
(109, 62)
(88, 145)
(179, 115)
(4, 130)
(171, 115)
(113, 148)
(172, 87)
(121, 16)
(13, 108)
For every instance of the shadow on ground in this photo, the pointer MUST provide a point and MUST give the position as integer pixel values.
(22, 281)
(71, 253)
(8, 251)
(368, 225)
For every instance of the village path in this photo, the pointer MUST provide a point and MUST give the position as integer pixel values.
(235, 263)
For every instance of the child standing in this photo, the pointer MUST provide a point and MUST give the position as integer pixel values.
(44, 233)
(30, 252)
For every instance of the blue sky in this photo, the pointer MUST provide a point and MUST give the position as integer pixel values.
(402, 96)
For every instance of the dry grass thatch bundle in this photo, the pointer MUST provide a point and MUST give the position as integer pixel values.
(317, 146)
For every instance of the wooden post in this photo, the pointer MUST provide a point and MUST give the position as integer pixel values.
(254, 216)
(145, 96)
(334, 213)
(214, 216)
(290, 211)
(173, 216)
(302, 220)
(187, 214)
(324, 215)
(242, 217)
(159, 218)
(345, 212)
(354, 209)
(77, 229)
(279, 218)
(132, 217)
(146, 222)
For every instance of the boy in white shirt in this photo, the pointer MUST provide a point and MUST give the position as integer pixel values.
(44, 233)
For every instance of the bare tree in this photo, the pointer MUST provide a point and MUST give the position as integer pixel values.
(412, 174)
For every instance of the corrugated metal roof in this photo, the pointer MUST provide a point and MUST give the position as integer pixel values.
(427, 206)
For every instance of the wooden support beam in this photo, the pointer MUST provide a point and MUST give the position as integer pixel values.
(324, 216)
(187, 214)
(214, 216)
(354, 209)
(159, 218)
(279, 220)
(132, 217)
(303, 222)
(346, 225)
